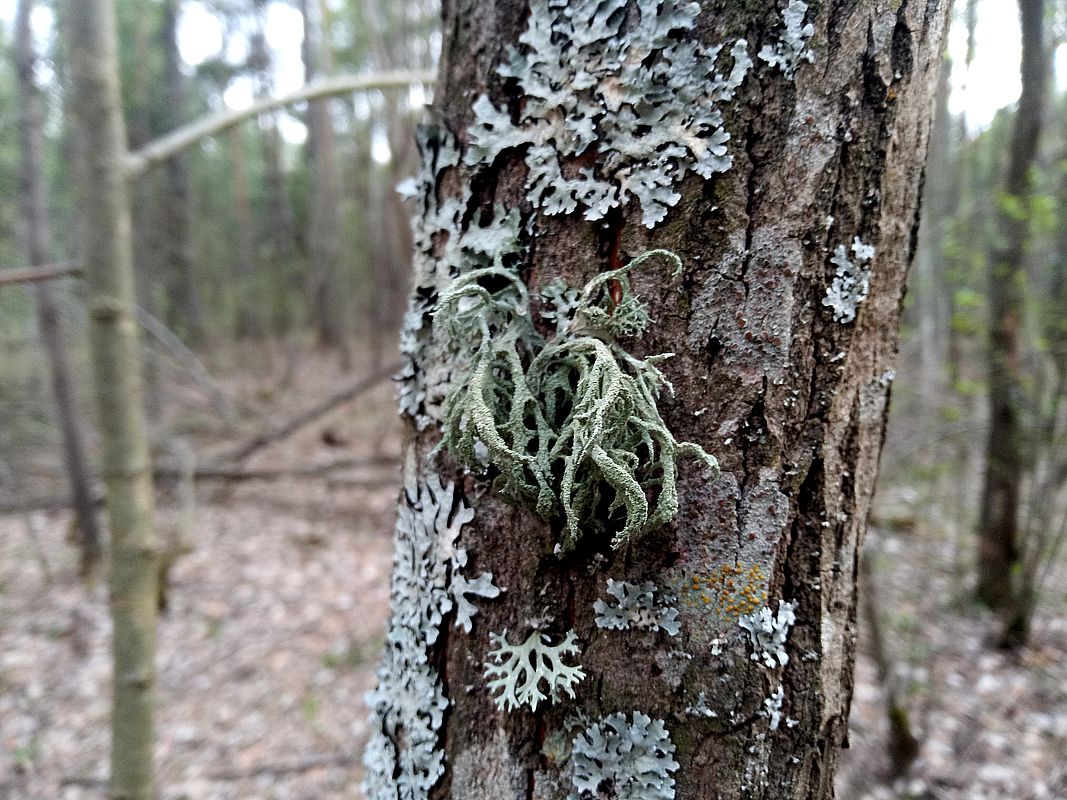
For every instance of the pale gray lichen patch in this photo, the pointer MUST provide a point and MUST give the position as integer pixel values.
(622, 78)
(630, 758)
(768, 632)
(790, 51)
(402, 758)
(638, 605)
(852, 280)
(701, 709)
(772, 708)
(518, 671)
(443, 250)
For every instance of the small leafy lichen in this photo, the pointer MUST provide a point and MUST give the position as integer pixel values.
(790, 51)
(517, 671)
(572, 423)
(852, 280)
(772, 708)
(633, 760)
(636, 605)
(595, 75)
(768, 632)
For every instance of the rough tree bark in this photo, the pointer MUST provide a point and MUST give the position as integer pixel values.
(105, 231)
(783, 325)
(998, 532)
(35, 217)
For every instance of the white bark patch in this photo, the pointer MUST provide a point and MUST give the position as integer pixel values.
(487, 771)
(649, 98)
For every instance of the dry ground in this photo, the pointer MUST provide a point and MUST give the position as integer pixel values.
(275, 623)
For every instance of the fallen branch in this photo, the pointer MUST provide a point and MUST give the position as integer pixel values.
(316, 412)
(47, 272)
(239, 475)
(286, 768)
(229, 474)
(169, 145)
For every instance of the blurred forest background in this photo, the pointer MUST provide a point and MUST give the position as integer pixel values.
(272, 267)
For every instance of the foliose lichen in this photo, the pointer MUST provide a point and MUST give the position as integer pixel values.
(790, 51)
(517, 671)
(572, 423)
(443, 249)
(402, 758)
(768, 632)
(852, 280)
(620, 78)
(637, 605)
(632, 759)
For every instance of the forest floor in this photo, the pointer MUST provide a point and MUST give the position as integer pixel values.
(275, 622)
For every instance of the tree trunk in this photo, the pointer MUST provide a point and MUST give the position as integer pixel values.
(147, 248)
(998, 544)
(324, 210)
(928, 280)
(107, 253)
(782, 323)
(249, 303)
(183, 297)
(279, 215)
(35, 217)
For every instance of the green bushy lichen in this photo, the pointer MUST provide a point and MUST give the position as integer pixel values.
(570, 423)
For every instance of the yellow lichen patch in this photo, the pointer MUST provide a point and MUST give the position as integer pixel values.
(729, 590)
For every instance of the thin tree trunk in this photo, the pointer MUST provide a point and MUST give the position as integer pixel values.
(35, 218)
(782, 368)
(107, 251)
(249, 302)
(183, 297)
(147, 250)
(324, 210)
(932, 313)
(279, 215)
(998, 544)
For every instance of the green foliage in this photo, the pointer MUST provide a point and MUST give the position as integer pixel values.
(571, 423)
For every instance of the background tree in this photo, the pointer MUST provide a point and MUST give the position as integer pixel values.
(38, 244)
(560, 153)
(999, 547)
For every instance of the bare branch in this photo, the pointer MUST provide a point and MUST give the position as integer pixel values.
(47, 272)
(169, 145)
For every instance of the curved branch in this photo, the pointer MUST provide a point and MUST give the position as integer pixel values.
(171, 144)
